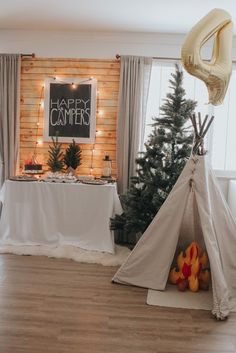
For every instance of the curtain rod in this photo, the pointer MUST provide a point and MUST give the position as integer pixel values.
(28, 55)
(167, 58)
(154, 57)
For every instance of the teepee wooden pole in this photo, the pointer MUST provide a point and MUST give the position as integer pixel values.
(199, 121)
(208, 126)
(200, 130)
(203, 124)
(193, 119)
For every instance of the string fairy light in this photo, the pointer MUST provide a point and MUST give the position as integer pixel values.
(98, 132)
(38, 141)
(92, 155)
(74, 85)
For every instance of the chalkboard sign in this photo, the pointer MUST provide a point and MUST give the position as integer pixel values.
(70, 110)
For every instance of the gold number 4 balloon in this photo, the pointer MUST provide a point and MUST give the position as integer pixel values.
(216, 73)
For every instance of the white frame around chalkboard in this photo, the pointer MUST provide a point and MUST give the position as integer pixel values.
(75, 81)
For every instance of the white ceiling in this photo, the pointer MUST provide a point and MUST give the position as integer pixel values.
(169, 16)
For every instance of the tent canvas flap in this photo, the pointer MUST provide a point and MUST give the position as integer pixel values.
(149, 263)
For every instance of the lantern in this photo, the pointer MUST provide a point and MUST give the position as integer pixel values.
(106, 170)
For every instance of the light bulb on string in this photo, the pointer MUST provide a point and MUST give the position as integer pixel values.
(39, 142)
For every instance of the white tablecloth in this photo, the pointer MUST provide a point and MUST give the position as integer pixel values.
(54, 214)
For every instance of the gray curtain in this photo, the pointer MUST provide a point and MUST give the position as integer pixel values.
(135, 75)
(9, 114)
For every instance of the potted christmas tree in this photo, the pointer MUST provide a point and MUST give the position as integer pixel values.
(55, 161)
(72, 157)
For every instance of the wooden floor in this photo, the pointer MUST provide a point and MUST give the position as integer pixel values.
(60, 306)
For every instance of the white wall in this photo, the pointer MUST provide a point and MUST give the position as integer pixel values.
(92, 45)
(88, 45)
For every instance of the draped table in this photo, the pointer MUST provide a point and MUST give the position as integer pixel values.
(54, 214)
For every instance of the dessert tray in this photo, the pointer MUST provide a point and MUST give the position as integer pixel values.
(55, 180)
(23, 178)
(59, 178)
(94, 182)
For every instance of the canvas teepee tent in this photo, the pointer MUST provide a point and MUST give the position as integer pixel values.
(194, 210)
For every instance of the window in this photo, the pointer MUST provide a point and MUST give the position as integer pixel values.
(221, 141)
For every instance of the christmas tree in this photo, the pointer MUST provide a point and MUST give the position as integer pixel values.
(158, 168)
(72, 157)
(55, 161)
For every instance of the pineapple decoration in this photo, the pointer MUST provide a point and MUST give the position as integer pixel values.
(193, 269)
(72, 157)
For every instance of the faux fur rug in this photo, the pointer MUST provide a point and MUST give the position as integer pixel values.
(70, 252)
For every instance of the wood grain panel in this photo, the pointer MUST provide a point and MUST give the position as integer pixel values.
(70, 71)
(61, 306)
(72, 63)
(33, 73)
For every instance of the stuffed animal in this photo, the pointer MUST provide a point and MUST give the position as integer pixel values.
(192, 269)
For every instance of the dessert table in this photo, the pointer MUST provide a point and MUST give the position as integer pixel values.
(54, 214)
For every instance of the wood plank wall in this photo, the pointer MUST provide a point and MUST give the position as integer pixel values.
(33, 73)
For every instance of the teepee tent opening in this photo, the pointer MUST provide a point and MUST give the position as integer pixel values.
(195, 207)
